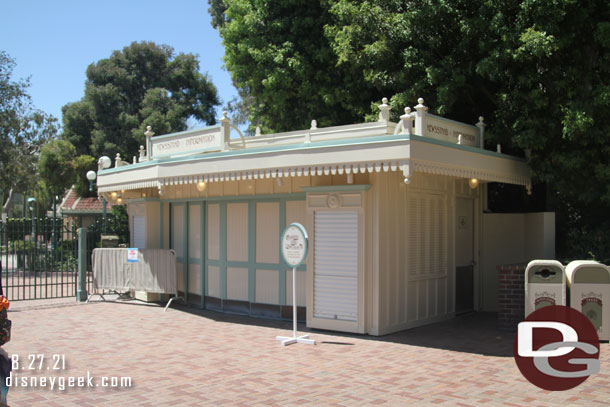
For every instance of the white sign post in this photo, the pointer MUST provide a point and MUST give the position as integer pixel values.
(293, 244)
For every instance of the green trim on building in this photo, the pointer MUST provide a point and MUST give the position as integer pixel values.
(264, 150)
(466, 148)
(223, 250)
(296, 196)
(185, 251)
(202, 252)
(251, 264)
(206, 262)
(309, 146)
(161, 221)
(247, 264)
(252, 251)
(170, 231)
(137, 200)
(338, 188)
(281, 263)
(223, 263)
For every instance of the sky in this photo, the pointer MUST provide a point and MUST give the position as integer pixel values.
(53, 42)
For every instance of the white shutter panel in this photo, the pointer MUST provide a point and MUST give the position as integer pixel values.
(139, 232)
(336, 265)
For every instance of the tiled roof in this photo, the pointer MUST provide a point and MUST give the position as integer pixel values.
(74, 203)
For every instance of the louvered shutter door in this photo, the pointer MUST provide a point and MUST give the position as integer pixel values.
(336, 265)
(139, 232)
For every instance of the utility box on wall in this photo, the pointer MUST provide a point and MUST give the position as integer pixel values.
(589, 283)
(545, 284)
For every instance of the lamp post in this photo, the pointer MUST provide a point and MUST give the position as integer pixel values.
(91, 176)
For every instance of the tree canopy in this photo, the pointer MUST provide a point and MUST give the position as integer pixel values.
(23, 131)
(539, 71)
(55, 166)
(278, 56)
(144, 84)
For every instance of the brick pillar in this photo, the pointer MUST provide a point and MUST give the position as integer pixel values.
(511, 296)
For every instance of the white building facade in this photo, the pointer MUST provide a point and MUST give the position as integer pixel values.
(394, 213)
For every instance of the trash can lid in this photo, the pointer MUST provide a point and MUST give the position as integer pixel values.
(587, 271)
(544, 272)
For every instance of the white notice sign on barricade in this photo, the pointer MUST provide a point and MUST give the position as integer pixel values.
(132, 255)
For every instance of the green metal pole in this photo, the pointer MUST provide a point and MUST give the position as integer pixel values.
(81, 293)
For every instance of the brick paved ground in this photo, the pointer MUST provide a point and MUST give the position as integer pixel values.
(187, 357)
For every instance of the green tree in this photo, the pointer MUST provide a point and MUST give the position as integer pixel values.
(142, 85)
(81, 165)
(55, 166)
(23, 131)
(217, 11)
(283, 65)
(60, 167)
(539, 71)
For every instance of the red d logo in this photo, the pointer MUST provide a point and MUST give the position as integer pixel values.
(556, 348)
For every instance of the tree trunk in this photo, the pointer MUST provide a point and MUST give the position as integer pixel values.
(7, 205)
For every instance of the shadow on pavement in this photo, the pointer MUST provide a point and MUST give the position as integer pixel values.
(471, 333)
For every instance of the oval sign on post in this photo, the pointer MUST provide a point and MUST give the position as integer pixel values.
(294, 244)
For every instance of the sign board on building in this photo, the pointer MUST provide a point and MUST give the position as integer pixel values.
(188, 142)
(294, 244)
(443, 129)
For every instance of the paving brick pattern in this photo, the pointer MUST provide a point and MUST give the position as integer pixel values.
(187, 357)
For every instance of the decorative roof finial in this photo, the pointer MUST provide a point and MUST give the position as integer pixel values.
(406, 123)
(481, 125)
(384, 110)
(420, 104)
(149, 132)
(420, 117)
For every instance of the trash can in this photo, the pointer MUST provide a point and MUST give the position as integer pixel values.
(545, 284)
(589, 283)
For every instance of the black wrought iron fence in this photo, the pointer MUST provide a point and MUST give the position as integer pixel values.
(39, 258)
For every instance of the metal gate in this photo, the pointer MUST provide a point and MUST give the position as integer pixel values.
(40, 260)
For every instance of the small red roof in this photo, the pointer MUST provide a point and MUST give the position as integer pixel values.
(74, 203)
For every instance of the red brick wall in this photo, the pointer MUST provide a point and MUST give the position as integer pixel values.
(511, 296)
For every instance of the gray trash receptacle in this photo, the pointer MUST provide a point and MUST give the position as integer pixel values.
(589, 283)
(545, 284)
